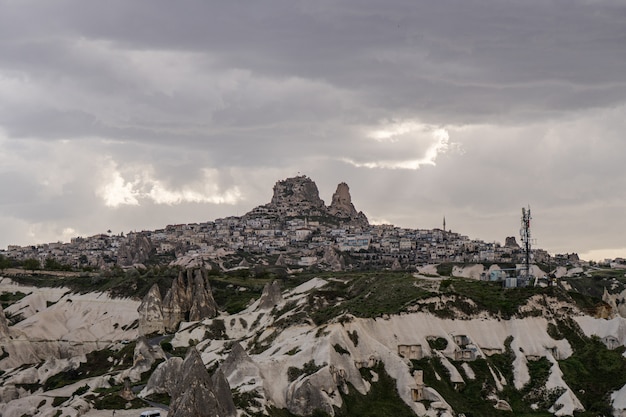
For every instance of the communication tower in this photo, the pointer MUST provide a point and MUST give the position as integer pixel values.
(526, 239)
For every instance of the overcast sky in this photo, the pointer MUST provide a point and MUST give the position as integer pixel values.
(132, 115)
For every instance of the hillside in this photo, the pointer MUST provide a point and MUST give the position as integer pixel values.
(344, 344)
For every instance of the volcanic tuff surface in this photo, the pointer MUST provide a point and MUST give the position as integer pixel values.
(299, 197)
(432, 341)
(189, 298)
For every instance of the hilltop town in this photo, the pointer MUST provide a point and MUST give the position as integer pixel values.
(297, 230)
(415, 324)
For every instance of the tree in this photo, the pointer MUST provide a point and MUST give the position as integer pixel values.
(4, 263)
(52, 264)
(31, 264)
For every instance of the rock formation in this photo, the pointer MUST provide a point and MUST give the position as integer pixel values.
(335, 261)
(151, 313)
(135, 249)
(221, 388)
(510, 242)
(4, 324)
(271, 296)
(189, 299)
(299, 190)
(299, 197)
(311, 393)
(281, 260)
(145, 355)
(342, 207)
(195, 394)
(163, 379)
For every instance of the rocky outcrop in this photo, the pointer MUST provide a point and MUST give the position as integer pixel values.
(151, 313)
(135, 249)
(221, 388)
(194, 393)
(299, 197)
(145, 356)
(164, 378)
(334, 261)
(311, 393)
(4, 324)
(615, 301)
(271, 296)
(238, 366)
(189, 299)
(299, 190)
(510, 242)
(281, 260)
(342, 207)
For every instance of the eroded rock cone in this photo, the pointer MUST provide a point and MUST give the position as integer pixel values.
(195, 394)
(342, 207)
(189, 299)
(4, 324)
(151, 313)
(271, 296)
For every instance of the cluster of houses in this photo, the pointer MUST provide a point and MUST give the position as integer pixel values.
(299, 239)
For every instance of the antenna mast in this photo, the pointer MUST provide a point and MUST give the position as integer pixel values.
(526, 240)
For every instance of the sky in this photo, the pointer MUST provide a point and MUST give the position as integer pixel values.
(132, 115)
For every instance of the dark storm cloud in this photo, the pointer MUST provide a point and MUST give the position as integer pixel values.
(470, 107)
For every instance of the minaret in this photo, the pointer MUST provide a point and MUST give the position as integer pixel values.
(444, 223)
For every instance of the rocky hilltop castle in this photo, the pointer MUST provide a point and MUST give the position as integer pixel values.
(299, 196)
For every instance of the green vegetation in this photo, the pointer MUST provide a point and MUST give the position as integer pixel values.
(81, 390)
(309, 368)
(437, 343)
(471, 398)
(57, 401)
(99, 362)
(593, 371)
(381, 401)
(8, 298)
(216, 330)
(5, 263)
(365, 295)
(51, 264)
(293, 351)
(31, 264)
(119, 283)
(246, 400)
(339, 349)
(490, 296)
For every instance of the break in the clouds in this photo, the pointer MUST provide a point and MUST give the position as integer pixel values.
(404, 145)
(128, 115)
(116, 190)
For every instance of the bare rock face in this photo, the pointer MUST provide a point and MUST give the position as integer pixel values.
(311, 393)
(335, 261)
(342, 207)
(135, 249)
(189, 299)
(239, 367)
(281, 260)
(151, 313)
(195, 393)
(297, 190)
(4, 324)
(225, 402)
(164, 378)
(395, 266)
(145, 355)
(271, 296)
(510, 242)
